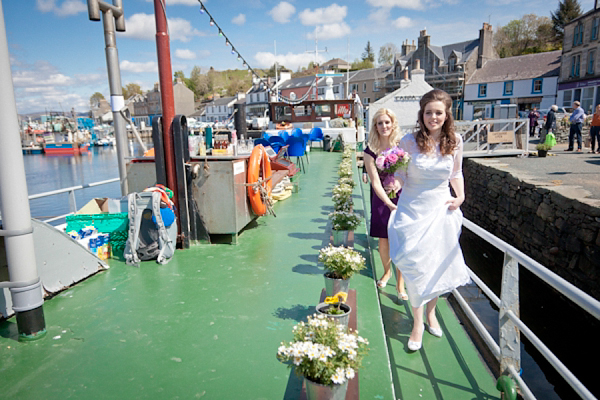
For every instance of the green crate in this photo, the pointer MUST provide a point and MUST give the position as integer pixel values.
(116, 224)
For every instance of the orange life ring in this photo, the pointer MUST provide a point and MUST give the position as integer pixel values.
(259, 160)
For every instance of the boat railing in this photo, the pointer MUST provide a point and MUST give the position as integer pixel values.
(507, 351)
(71, 191)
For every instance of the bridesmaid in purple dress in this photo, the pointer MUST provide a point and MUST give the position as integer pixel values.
(384, 134)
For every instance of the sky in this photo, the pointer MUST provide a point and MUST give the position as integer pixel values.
(58, 59)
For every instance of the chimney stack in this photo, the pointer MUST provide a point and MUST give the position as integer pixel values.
(486, 46)
(405, 74)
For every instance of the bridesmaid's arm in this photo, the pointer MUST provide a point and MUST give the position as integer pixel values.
(376, 182)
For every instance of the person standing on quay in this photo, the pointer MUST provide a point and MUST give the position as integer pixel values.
(550, 123)
(424, 230)
(533, 117)
(576, 119)
(595, 130)
(384, 134)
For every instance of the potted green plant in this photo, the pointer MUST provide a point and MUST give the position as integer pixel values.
(543, 149)
(325, 355)
(340, 264)
(335, 308)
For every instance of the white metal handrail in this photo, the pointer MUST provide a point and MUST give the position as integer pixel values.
(71, 190)
(582, 299)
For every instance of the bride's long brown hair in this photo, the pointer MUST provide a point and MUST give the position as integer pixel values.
(448, 139)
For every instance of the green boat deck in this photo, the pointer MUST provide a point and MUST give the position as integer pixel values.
(207, 325)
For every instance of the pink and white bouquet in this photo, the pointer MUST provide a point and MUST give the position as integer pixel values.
(388, 162)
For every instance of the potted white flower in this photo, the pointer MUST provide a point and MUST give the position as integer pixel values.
(326, 355)
(340, 263)
(342, 223)
(342, 197)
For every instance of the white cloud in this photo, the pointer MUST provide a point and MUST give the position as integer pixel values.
(42, 86)
(320, 16)
(403, 23)
(407, 4)
(330, 31)
(67, 8)
(143, 26)
(282, 12)
(239, 20)
(185, 54)
(289, 60)
(139, 67)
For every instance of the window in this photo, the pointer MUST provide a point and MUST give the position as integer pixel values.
(590, 64)
(321, 91)
(301, 111)
(322, 110)
(376, 86)
(587, 99)
(595, 26)
(575, 61)
(364, 87)
(508, 88)
(365, 100)
(482, 90)
(283, 113)
(536, 86)
(451, 64)
(567, 98)
(578, 35)
(354, 86)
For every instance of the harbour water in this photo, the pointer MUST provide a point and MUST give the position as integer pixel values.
(47, 173)
(566, 330)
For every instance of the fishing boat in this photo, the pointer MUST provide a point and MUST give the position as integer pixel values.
(53, 147)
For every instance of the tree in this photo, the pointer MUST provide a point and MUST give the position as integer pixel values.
(566, 12)
(368, 53)
(361, 64)
(530, 34)
(95, 99)
(130, 89)
(386, 53)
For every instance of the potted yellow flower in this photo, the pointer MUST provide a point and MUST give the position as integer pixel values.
(326, 355)
(334, 307)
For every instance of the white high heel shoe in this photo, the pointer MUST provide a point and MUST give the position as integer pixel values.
(414, 346)
(437, 332)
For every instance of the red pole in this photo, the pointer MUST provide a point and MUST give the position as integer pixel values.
(163, 50)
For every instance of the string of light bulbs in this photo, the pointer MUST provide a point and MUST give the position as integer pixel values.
(228, 43)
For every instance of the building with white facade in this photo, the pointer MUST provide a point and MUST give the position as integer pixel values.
(527, 81)
(404, 102)
(221, 109)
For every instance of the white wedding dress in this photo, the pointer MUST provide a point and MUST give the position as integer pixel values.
(423, 233)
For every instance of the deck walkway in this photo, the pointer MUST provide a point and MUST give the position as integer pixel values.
(208, 324)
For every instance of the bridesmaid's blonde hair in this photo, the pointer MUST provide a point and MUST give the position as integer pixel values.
(374, 140)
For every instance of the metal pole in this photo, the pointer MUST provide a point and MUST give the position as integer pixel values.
(163, 50)
(111, 13)
(14, 206)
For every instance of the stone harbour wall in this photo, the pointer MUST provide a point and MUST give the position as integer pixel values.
(552, 224)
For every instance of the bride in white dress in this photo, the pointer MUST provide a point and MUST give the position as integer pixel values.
(424, 230)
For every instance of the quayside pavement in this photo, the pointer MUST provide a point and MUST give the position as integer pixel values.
(208, 324)
(574, 174)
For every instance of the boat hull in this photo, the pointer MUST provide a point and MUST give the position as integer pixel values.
(66, 148)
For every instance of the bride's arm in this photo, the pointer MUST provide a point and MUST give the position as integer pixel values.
(456, 178)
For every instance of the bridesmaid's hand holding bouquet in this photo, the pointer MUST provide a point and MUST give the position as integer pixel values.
(388, 162)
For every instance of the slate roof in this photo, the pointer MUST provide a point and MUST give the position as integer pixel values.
(463, 50)
(223, 101)
(303, 81)
(370, 74)
(540, 65)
